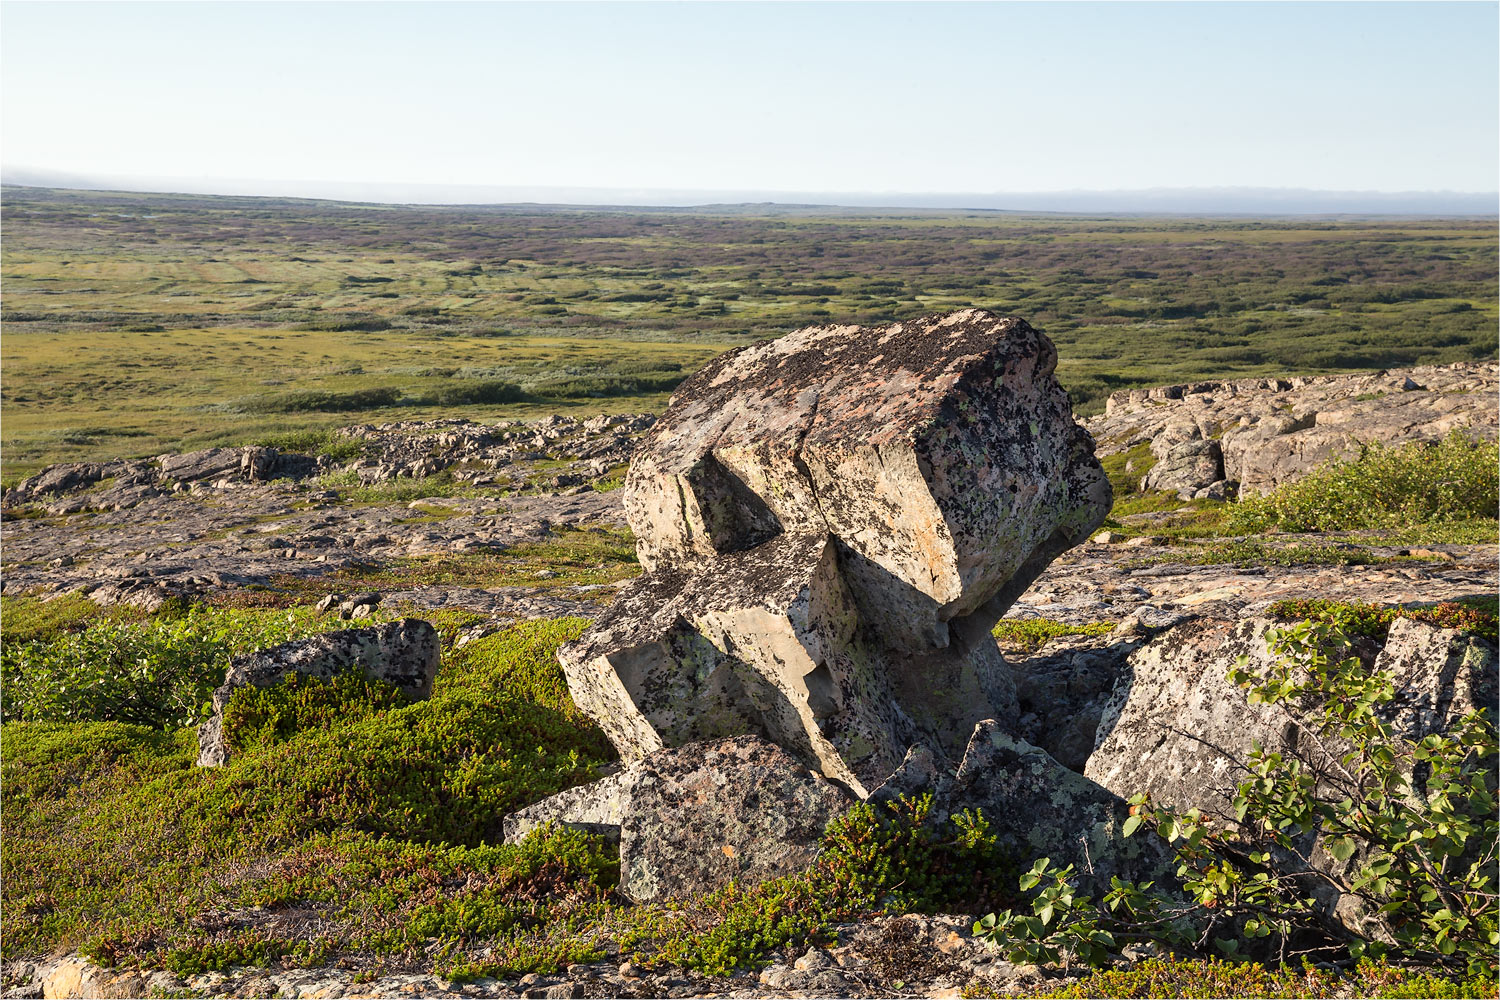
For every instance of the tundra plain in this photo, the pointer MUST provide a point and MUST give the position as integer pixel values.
(138, 324)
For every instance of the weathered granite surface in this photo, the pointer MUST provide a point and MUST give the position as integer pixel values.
(831, 524)
(691, 818)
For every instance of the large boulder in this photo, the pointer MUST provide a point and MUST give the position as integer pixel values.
(691, 818)
(404, 654)
(831, 524)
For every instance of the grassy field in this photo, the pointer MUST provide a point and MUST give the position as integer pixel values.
(136, 324)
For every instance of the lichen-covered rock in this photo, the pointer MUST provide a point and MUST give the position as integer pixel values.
(831, 523)
(691, 818)
(1186, 461)
(205, 464)
(1440, 675)
(1177, 728)
(702, 814)
(1038, 808)
(404, 654)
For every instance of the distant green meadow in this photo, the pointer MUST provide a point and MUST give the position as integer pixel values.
(136, 324)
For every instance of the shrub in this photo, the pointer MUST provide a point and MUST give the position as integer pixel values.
(158, 673)
(465, 392)
(313, 442)
(1412, 825)
(606, 385)
(319, 401)
(1215, 978)
(1374, 621)
(1418, 483)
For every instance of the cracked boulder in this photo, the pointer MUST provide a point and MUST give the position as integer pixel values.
(831, 524)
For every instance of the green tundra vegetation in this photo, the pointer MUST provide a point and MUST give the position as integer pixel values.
(351, 822)
(137, 324)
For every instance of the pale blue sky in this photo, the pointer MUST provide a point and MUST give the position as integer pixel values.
(823, 97)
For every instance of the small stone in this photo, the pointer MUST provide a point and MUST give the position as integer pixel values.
(327, 602)
(813, 960)
(530, 979)
(1108, 538)
(630, 970)
(564, 991)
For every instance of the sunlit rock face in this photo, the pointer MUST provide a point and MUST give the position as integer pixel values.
(831, 523)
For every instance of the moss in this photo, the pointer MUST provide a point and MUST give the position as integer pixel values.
(1215, 978)
(1030, 633)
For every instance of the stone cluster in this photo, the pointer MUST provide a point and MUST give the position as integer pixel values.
(831, 524)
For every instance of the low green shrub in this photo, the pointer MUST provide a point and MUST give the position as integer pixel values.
(1374, 620)
(377, 815)
(30, 619)
(313, 442)
(465, 392)
(1384, 487)
(1030, 633)
(1157, 977)
(593, 386)
(258, 717)
(318, 401)
(158, 672)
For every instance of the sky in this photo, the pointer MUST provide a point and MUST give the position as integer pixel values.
(852, 97)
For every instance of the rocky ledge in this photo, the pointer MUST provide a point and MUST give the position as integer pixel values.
(1258, 433)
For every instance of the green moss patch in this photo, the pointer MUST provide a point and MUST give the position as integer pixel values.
(1214, 978)
(1030, 633)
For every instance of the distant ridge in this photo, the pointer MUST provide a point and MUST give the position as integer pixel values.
(1154, 201)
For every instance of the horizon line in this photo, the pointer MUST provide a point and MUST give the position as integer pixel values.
(1153, 200)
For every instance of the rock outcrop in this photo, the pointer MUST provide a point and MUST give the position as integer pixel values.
(1176, 727)
(1262, 432)
(691, 818)
(831, 523)
(404, 654)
